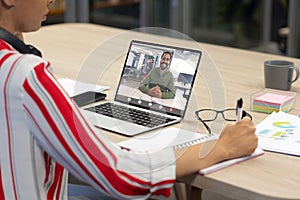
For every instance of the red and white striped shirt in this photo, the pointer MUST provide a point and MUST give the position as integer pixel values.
(43, 135)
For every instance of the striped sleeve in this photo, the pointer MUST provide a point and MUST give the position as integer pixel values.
(60, 129)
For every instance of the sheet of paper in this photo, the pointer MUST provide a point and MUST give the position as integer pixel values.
(76, 87)
(280, 132)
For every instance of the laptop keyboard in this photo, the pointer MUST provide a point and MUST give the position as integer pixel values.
(130, 114)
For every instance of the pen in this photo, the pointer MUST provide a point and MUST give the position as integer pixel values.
(239, 109)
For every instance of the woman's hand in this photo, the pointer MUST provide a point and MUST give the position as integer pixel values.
(238, 139)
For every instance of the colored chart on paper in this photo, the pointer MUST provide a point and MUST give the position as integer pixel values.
(280, 132)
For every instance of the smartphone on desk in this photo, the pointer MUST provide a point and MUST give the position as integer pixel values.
(88, 98)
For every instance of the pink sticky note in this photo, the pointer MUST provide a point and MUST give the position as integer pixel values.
(276, 99)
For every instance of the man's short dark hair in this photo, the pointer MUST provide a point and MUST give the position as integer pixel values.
(167, 52)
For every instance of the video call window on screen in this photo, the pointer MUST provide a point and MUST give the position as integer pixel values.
(144, 57)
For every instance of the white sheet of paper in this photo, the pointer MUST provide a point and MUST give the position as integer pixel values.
(76, 87)
(280, 132)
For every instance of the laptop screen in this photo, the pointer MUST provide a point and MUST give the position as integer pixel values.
(158, 77)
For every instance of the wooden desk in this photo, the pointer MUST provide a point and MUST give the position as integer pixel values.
(271, 176)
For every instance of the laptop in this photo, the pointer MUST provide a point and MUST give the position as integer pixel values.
(133, 111)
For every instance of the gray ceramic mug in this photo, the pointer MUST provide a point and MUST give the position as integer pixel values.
(279, 74)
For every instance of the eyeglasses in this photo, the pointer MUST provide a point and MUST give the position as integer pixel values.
(207, 115)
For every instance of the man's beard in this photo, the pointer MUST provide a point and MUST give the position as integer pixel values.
(163, 66)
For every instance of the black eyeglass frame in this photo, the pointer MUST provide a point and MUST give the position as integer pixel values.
(244, 114)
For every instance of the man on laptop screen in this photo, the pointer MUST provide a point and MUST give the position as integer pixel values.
(160, 81)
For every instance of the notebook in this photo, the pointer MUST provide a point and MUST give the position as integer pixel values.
(132, 111)
(166, 138)
(178, 138)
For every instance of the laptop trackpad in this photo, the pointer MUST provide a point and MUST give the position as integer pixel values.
(103, 121)
(130, 129)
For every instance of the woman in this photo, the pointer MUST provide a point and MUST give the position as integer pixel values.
(44, 136)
